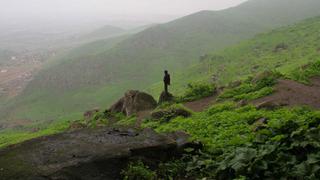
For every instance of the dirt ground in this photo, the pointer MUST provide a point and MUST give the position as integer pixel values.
(201, 104)
(291, 93)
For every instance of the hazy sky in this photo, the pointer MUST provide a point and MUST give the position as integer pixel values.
(97, 8)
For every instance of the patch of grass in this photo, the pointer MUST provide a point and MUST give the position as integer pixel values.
(252, 88)
(127, 121)
(258, 55)
(11, 136)
(165, 114)
(217, 127)
(304, 73)
(196, 91)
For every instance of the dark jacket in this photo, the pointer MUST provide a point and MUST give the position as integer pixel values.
(166, 79)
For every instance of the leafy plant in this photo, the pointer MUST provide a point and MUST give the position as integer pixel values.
(285, 147)
(196, 91)
(253, 88)
(165, 114)
(138, 171)
(304, 73)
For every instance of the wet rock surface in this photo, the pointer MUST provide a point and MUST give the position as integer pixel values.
(133, 102)
(86, 154)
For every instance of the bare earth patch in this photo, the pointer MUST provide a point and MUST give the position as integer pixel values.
(201, 104)
(291, 93)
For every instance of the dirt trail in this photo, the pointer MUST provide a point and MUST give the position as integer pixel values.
(291, 93)
(287, 93)
(201, 104)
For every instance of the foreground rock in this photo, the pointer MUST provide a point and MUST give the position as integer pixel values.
(98, 154)
(134, 102)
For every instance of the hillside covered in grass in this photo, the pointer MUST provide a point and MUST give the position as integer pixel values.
(285, 49)
(237, 140)
(97, 79)
(237, 136)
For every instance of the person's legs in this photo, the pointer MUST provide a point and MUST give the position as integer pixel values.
(166, 88)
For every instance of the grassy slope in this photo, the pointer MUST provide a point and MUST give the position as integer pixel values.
(302, 43)
(299, 53)
(97, 79)
(286, 146)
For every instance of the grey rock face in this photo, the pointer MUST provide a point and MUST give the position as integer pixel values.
(85, 154)
(133, 102)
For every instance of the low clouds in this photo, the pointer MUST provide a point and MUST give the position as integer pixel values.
(109, 7)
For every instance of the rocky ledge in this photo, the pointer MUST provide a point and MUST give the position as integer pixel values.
(86, 154)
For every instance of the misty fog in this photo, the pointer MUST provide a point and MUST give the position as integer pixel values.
(121, 12)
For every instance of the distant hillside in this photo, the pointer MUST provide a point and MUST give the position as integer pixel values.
(103, 33)
(97, 79)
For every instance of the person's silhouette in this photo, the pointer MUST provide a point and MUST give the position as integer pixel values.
(166, 81)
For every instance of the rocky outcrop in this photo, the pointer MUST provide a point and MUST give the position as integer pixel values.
(165, 97)
(133, 102)
(86, 154)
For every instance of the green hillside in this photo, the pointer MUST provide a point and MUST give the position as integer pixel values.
(238, 140)
(283, 49)
(97, 79)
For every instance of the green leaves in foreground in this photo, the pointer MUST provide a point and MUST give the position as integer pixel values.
(287, 146)
(288, 151)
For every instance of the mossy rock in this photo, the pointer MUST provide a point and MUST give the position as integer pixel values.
(170, 113)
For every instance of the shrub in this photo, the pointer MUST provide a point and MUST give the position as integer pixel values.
(138, 171)
(170, 112)
(99, 119)
(287, 148)
(253, 88)
(196, 91)
(303, 74)
(127, 121)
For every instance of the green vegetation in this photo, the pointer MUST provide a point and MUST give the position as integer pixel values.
(243, 142)
(252, 88)
(304, 74)
(14, 136)
(196, 91)
(218, 127)
(265, 52)
(235, 145)
(240, 141)
(100, 73)
(169, 112)
(138, 171)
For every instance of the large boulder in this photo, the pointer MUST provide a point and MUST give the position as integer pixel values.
(98, 154)
(134, 102)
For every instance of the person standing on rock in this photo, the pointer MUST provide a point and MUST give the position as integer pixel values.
(166, 81)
